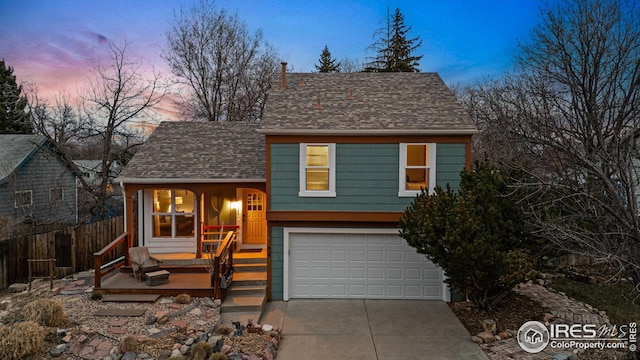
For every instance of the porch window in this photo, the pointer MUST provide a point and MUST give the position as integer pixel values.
(173, 213)
(417, 168)
(317, 170)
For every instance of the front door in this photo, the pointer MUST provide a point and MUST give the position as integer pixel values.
(255, 219)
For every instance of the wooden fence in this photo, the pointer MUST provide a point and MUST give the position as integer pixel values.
(72, 247)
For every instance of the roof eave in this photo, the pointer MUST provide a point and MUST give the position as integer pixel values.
(369, 132)
(150, 181)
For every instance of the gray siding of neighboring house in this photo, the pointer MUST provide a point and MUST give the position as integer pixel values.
(41, 173)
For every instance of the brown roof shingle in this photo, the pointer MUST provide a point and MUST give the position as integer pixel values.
(200, 151)
(364, 103)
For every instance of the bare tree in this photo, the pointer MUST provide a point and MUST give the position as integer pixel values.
(351, 65)
(120, 94)
(572, 113)
(225, 69)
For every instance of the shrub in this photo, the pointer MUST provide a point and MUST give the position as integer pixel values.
(201, 351)
(20, 340)
(476, 235)
(223, 330)
(183, 299)
(46, 312)
(96, 296)
(128, 343)
(218, 356)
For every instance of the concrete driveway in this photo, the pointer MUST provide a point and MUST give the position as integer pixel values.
(369, 330)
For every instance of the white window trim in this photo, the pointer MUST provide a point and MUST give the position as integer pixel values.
(15, 198)
(173, 214)
(402, 192)
(303, 172)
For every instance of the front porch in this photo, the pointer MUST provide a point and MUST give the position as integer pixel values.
(188, 275)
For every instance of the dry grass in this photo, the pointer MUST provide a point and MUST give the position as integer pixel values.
(183, 299)
(201, 351)
(46, 312)
(129, 343)
(224, 330)
(20, 340)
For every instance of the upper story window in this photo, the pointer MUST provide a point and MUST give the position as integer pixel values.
(317, 170)
(23, 198)
(417, 168)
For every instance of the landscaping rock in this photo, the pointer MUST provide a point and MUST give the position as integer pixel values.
(547, 317)
(489, 325)
(17, 287)
(486, 337)
(477, 339)
(129, 355)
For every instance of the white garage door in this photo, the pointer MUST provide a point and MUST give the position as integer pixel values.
(360, 265)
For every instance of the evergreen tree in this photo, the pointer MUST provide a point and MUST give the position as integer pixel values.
(394, 51)
(476, 234)
(327, 64)
(13, 117)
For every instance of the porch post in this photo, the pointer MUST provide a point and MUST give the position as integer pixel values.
(129, 224)
(200, 220)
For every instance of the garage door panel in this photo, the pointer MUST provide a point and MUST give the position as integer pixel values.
(357, 255)
(338, 273)
(335, 265)
(356, 273)
(375, 273)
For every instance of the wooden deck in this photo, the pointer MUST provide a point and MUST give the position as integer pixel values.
(195, 283)
(188, 276)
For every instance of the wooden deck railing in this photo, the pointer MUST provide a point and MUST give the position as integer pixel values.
(121, 241)
(223, 266)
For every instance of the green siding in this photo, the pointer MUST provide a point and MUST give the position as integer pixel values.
(366, 177)
(277, 263)
(450, 161)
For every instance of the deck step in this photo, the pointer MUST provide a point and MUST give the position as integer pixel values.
(240, 303)
(237, 288)
(249, 260)
(250, 276)
(250, 267)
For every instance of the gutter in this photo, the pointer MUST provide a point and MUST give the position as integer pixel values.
(151, 181)
(367, 132)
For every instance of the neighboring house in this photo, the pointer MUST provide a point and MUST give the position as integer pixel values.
(36, 187)
(91, 171)
(321, 181)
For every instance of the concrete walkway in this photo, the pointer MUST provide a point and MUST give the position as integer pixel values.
(369, 330)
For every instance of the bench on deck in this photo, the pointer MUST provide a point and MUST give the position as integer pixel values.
(157, 277)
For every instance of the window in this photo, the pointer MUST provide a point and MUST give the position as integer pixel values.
(417, 168)
(23, 198)
(317, 170)
(56, 194)
(173, 213)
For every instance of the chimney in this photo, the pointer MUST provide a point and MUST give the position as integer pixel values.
(284, 76)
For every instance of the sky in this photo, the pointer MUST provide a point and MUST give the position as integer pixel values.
(53, 43)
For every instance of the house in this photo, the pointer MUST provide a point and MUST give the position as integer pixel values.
(91, 171)
(36, 186)
(320, 182)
